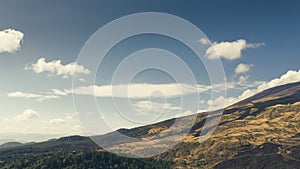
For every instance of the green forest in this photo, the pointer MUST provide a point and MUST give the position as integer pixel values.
(82, 160)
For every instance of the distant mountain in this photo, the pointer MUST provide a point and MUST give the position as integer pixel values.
(3, 141)
(64, 144)
(68, 153)
(262, 131)
(10, 144)
(26, 137)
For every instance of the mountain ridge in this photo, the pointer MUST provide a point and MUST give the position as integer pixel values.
(261, 131)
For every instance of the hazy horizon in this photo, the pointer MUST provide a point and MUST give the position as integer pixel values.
(40, 45)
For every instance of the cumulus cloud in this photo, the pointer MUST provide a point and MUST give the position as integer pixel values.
(28, 114)
(243, 79)
(56, 121)
(149, 106)
(10, 40)
(290, 77)
(55, 67)
(221, 102)
(204, 41)
(229, 50)
(242, 68)
(38, 97)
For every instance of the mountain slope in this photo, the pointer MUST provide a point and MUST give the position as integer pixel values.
(10, 144)
(288, 93)
(262, 131)
(269, 117)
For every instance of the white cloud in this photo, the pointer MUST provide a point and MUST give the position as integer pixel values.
(170, 90)
(290, 77)
(28, 114)
(243, 79)
(23, 95)
(82, 80)
(229, 50)
(133, 91)
(138, 91)
(242, 68)
(38, 97)
(29, 119)
(221, 102)
(56, 68)
(204, 41)
(243, 84)
(10, 40)
(56, 121)
(46, 97)
(149, 106)
(61, 92)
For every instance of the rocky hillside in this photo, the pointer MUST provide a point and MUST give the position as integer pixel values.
(262, 131)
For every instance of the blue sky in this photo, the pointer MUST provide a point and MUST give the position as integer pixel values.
(57, 30)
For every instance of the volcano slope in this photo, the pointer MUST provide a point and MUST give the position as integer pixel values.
(262, 131)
